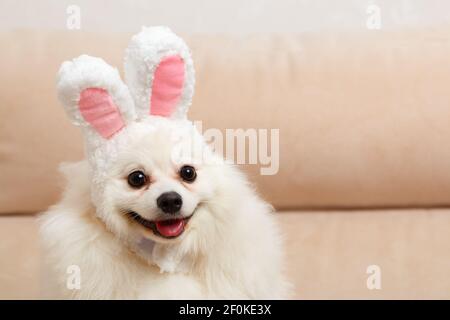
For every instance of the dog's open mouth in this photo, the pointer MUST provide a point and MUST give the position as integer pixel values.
(167, 228)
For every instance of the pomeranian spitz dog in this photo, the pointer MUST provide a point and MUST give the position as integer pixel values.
(153, 212)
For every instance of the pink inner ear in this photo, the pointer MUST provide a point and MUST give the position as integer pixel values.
(167, 86)
(98, 109)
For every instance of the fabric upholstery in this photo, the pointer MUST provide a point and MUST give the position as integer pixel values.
(327, 254)
(363, 118)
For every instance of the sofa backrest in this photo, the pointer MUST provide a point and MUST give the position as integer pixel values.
(363, 118)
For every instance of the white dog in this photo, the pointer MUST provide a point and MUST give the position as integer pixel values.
(153, 213)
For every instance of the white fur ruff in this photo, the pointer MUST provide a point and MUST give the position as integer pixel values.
(232, 252)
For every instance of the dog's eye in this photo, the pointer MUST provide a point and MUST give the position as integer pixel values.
(187, 173)
(137, 179)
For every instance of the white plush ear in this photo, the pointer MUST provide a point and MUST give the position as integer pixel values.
(94, 95)
(159, 73)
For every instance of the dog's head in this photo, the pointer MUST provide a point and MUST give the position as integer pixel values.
(147, 160)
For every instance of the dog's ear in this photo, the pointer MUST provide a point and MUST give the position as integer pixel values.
(94, 96)
(159, 73)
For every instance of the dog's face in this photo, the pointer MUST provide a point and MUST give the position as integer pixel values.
(147, 161)
(158, 180)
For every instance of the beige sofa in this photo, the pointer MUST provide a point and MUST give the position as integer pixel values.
(364, 175)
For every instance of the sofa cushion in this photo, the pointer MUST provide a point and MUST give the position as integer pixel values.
(327, 254)
(363, 117)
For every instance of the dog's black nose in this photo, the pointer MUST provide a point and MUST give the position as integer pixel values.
(170, 202)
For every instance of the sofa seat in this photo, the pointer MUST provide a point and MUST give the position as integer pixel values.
(327, 254)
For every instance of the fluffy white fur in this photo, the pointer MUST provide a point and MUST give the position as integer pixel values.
(231, 246)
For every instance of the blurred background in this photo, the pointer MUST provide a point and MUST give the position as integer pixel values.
(359, 91)
(231, 17)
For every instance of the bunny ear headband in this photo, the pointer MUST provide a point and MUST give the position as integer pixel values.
(159, 78)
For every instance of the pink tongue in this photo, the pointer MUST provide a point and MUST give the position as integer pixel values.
(170, 228)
